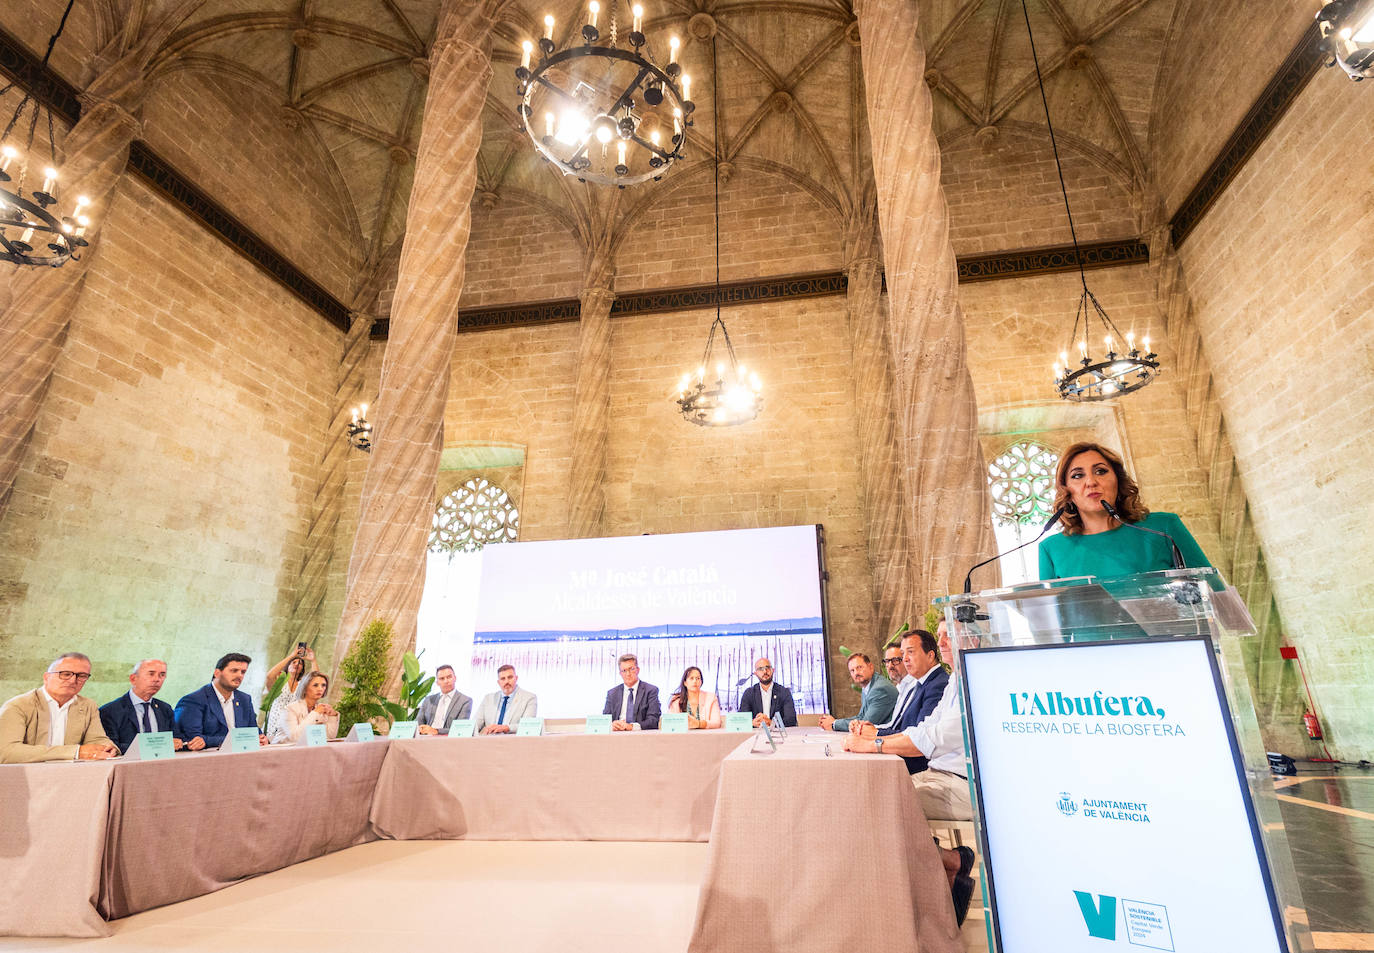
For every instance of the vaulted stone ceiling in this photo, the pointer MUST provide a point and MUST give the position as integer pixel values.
(351, 75)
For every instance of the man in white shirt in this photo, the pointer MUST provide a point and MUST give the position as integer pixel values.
(502, 710)
(438, 711)
(943, 787)
(55, 722)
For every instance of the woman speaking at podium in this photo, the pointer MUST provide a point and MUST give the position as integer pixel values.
(1092, 541)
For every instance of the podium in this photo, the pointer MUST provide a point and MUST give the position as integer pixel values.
(1121, 793)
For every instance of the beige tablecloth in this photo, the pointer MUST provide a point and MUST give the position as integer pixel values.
(796, 826)
(52, 833)
(194, 824)
(626, 786)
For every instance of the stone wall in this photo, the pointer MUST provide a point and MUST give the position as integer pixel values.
(1278, 272)
(164, 501)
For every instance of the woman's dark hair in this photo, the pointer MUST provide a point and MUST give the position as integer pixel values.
(1127, 501)
(294, 663)
(681, 694)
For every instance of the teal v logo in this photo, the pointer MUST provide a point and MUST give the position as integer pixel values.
(1100, 917)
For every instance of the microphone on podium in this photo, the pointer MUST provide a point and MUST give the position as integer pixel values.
(1174, 553)
(968, 580)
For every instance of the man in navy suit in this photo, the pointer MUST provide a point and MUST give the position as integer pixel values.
(205, 716)
(138, 710)
(633, 705)
(920, 655)
(778, 701)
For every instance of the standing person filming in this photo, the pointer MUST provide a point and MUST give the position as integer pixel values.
(300, 661)
(1104, 522)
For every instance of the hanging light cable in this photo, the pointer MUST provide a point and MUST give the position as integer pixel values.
(734, 395)
(1117, 372)
(30, 234)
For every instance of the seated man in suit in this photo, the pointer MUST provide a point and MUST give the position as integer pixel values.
(137, 709)
(501, 711)
(879, 696)
(927, 681)
(55, 723)
(634, 704)
(204, 716)
(937, 742)
(438, 710)
(768, 698)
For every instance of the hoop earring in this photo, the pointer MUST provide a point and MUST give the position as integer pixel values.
(1071, 508)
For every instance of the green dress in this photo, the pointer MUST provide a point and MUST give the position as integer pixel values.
(1119, 552)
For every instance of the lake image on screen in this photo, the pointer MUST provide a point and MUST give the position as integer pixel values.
(563, 611)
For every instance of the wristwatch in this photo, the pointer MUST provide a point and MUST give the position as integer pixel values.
(877, 746)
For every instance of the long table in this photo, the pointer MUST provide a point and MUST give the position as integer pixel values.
(80, 844)
(802, 823)
(627, 786)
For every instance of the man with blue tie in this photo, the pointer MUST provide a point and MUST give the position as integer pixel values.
(204, 717)
(634, 704)
(879, 696)
(501, 711)
(137, 710)
(920, 693)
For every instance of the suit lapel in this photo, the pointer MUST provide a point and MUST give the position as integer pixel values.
(217, 706)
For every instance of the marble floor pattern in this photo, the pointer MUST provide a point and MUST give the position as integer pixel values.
(565, 897)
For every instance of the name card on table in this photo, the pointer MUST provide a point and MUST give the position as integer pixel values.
(240, 740)
(598, 725)
(151, 746)
(530, 727)
(462, 728)
(361, 731)
(314, 736)
(675, 722)
(739, 721)
(402, 729)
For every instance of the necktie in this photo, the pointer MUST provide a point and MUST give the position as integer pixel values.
(897, 722)
(147, 722)
(629, 704)
(501, 718)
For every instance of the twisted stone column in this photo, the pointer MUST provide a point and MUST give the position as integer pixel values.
(38, 310)
(883, 489)
(386, 573)
(1277, 702)
(591, 410)
(312, 585)
(948, 511)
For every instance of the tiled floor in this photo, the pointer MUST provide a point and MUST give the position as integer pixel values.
(1330, 822)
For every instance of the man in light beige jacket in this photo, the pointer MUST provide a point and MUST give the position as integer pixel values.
(55, 723)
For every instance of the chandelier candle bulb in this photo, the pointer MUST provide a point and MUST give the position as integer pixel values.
(686, 87)
(548, 125)
(654, 137)
(638, 13)
(526, 48)
(620, 152)
(548, 26)
(27, 236)
(7, 155)
(673, 43)
(593, 9)
(82, 222)
(1146, 342)
(49, 178)
(677, 122)
(1130, 341)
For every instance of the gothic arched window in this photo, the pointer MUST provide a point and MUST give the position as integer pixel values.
(476, 514)
(1022, 484)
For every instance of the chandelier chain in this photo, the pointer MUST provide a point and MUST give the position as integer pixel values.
(1044, 101)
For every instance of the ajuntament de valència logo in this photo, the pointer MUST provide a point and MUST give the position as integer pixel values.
(1107, 809)
(1066, 804)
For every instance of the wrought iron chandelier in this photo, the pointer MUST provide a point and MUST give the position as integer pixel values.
(360, 430)
(1117, 372)
(732, 395)
(601, 112)
(1348, 36)
(31, 231)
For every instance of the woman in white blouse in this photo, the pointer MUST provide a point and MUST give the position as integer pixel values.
(310, 708)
